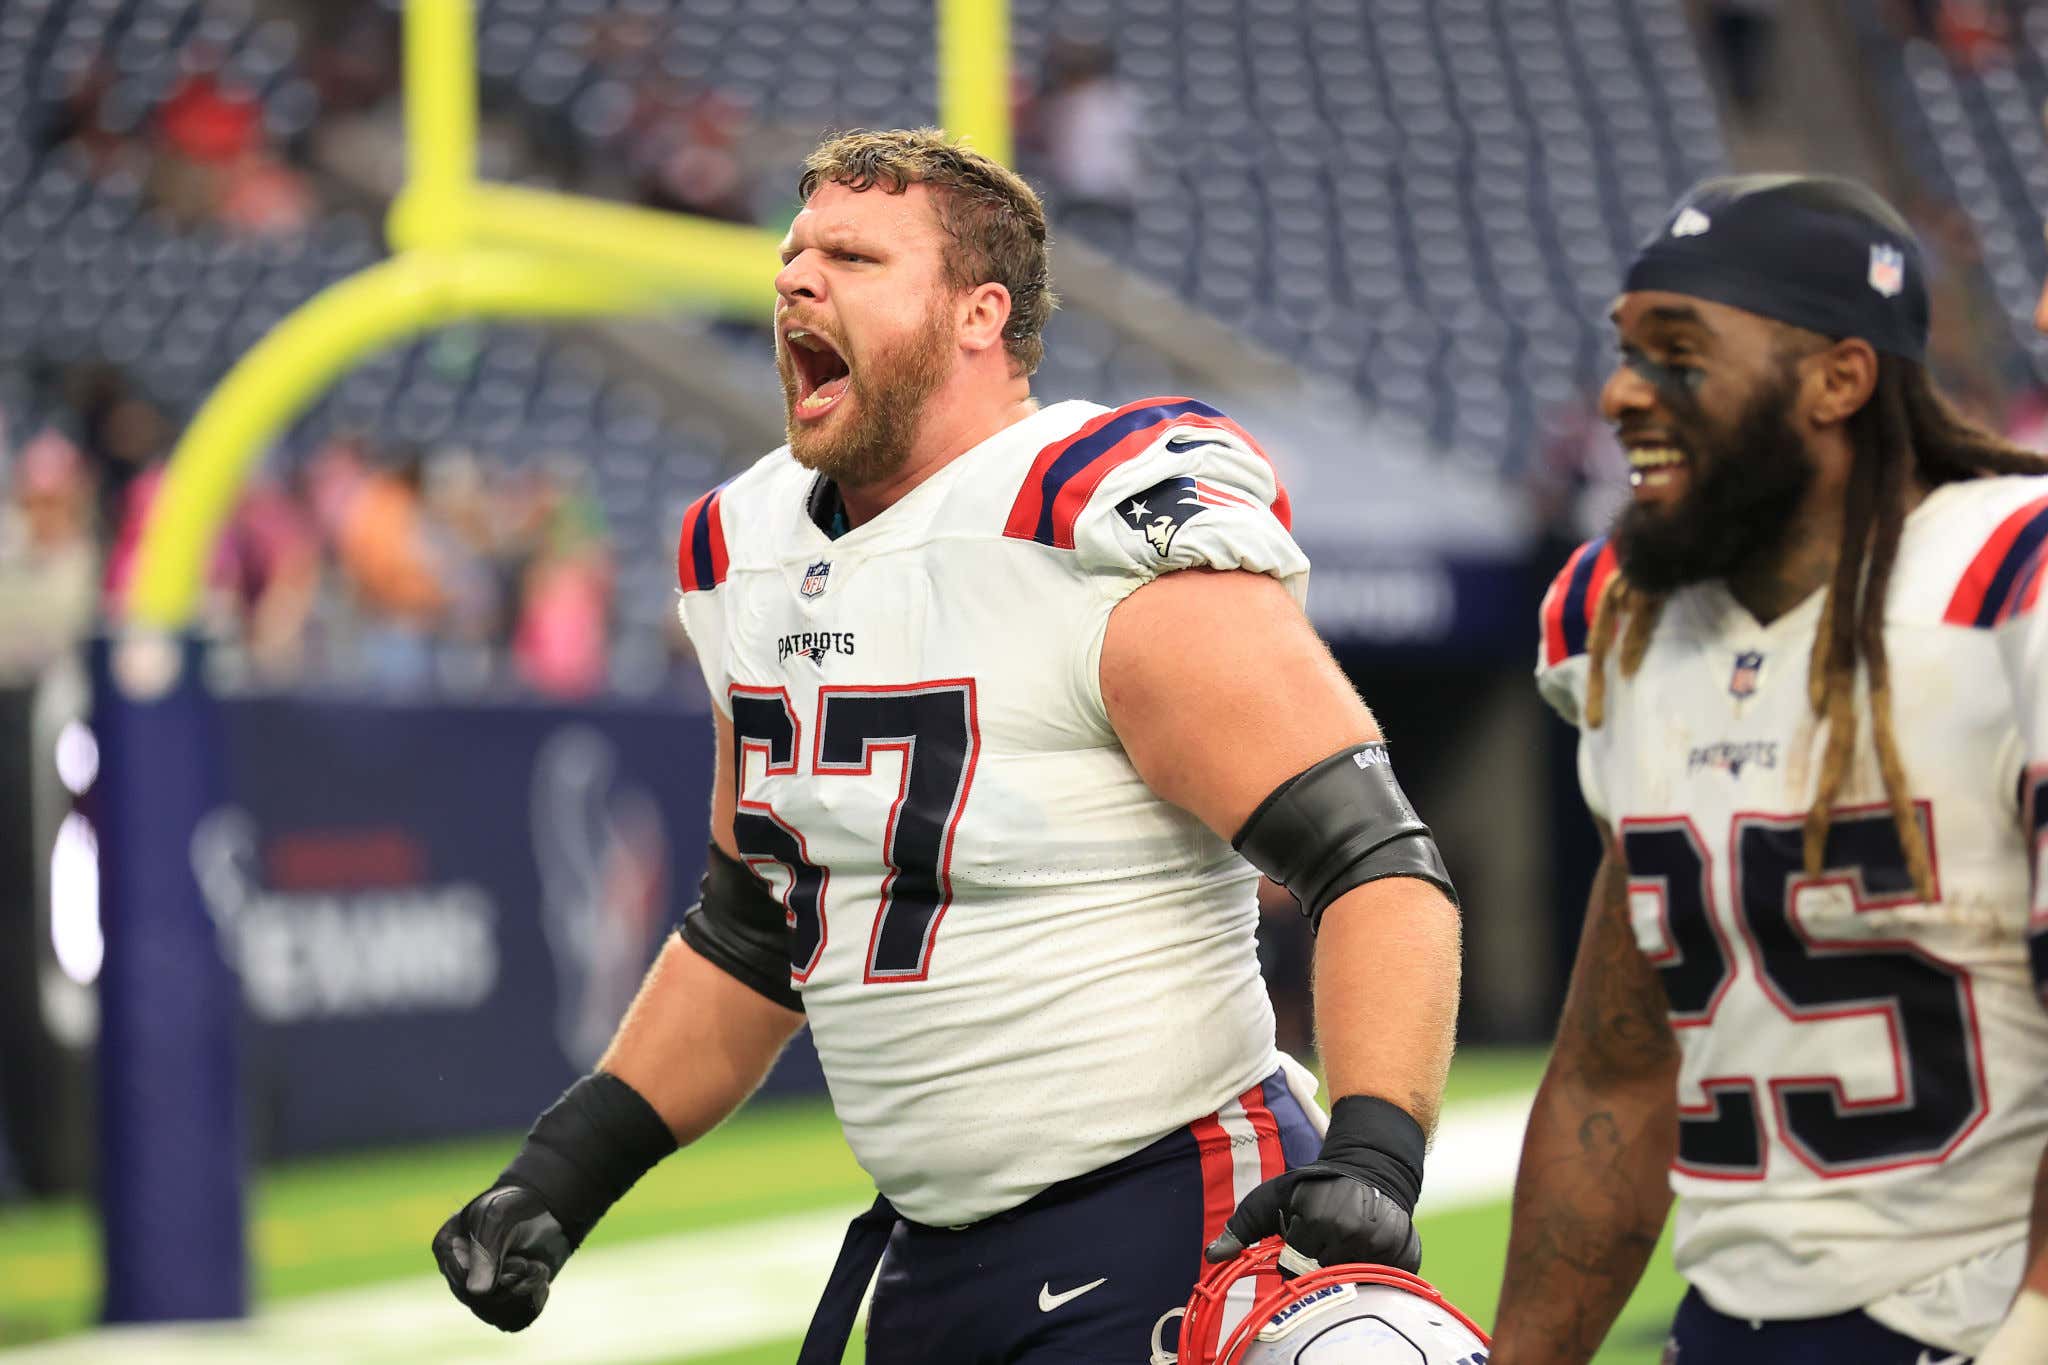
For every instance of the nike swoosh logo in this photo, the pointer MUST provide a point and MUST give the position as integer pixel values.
(1178, 443)
(1047, 1300)
(1927, 1358)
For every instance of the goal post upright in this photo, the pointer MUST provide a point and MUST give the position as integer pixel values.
(974, 74)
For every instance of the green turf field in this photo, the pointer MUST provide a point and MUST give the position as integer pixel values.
(362, 1221)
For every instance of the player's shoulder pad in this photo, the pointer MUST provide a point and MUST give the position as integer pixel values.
(701, 555)
(1992, 539)
(1566, 617)
(704, 549)
(1159, 484)
(1565, 623)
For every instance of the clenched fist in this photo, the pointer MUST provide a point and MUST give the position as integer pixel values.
(499, 1254)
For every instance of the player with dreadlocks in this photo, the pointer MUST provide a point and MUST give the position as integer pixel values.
(1803, 1001)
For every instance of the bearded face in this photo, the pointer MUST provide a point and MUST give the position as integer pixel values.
(853, 409)
(1743, 482)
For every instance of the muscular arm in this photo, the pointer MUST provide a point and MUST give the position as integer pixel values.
(1592, 1191)
(1246, 698)
(696, 1042)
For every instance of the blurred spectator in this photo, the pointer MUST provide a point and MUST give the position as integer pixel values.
(49, 565)
(212, 164)
(377, 525)
(277, 558)
(1972, 31)
(1744, 34)
(463, 516)
(682, 149)
(124, 433)
(353, 53)
(2026, 418)
(1084, 124)
(1966, 344)
(1577, 481)
(561, 644)
(261, 582)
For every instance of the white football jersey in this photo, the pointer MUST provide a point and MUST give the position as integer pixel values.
(1863, 1092)
(1018, 963)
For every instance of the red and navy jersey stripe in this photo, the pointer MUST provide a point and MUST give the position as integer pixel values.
(1573, 598)
(700, 557)
(2005, 577)
(1067, 472)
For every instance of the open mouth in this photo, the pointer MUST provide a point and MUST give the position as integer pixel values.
(822, 374)
(1653, 466)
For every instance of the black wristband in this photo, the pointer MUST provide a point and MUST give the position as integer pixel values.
(588, 1149)
(1380, 1140)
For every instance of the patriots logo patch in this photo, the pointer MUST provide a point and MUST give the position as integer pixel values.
(1160, 511)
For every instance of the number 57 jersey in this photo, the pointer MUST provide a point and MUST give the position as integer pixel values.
(1863, 1088)
(1018, 964)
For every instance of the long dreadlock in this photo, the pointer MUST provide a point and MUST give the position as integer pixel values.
(1907, 429)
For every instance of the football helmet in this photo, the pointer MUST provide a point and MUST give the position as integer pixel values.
(1339, 1315)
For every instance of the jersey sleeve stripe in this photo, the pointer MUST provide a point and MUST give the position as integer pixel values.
(701, 559)
(1573, 598)
(714, 519)
(1067, 472)
(2026, 590)
(1993, 587)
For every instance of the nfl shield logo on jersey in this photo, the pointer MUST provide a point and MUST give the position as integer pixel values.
(1749, 665)
(814, 579)
(1887, 270)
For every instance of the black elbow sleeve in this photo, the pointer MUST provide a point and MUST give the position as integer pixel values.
(1339, 824)
(742, 930)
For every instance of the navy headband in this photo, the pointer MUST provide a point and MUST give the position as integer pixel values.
(1813, 251)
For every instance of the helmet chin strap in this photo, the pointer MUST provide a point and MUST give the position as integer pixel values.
(1295, 1263)
(1160, 1355)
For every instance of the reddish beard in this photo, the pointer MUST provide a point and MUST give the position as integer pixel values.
(888, 390)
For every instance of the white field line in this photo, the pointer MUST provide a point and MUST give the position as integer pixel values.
(648, 1300)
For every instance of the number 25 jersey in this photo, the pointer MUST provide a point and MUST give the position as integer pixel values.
(1018, 964)
(1863, 1090)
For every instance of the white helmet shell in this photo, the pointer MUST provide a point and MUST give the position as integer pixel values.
(1365, 1324)
(1338, 1315)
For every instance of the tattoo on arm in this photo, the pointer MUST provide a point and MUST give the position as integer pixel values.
(1617, 1021)
(1592, 1191)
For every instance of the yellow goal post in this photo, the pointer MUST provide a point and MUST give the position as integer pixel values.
(469, 249)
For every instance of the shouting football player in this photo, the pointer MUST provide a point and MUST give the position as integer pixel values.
(992, 824)
(1803, 998)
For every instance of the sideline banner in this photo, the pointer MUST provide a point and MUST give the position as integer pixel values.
(438, 913)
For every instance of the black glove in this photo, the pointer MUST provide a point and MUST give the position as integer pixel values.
(503, 1250)
(499, 1254)
(1353, 1203)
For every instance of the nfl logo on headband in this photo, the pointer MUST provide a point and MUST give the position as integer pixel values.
(1690, 222)
(1887, 270)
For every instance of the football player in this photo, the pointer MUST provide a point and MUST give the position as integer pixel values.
(1803, 1000)
(1013, 705)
